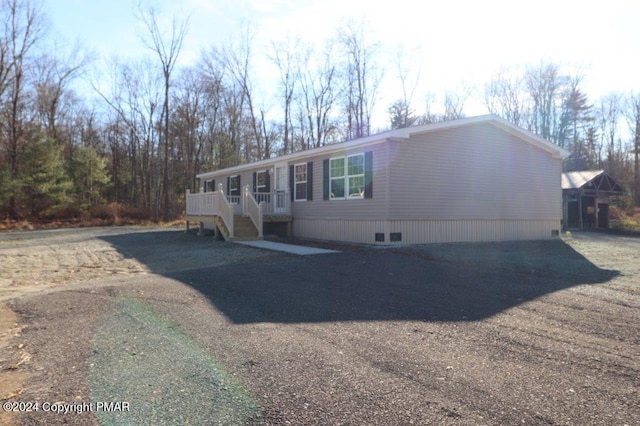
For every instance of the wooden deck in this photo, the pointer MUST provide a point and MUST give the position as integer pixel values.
(234, 216)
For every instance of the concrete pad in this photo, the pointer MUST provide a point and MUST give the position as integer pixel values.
(288, 248)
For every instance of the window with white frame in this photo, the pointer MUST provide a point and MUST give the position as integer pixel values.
(300, 182)
(336, 178)
(234, 185)
(355, 176)
(261, 181)
(346, 177)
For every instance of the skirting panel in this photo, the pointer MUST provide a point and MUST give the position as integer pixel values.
(423, 231)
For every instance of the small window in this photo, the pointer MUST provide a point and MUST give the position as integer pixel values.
(210, 186)
(300, 182)
(356, 176)
(336, 182)
(234, 185)
(261, 181)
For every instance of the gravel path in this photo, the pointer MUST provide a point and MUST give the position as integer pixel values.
(533, 332)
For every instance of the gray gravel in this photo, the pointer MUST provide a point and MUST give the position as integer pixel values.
(508, 333)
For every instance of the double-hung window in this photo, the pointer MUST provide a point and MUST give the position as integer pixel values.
(300, 182)
(261, 181)
(346, 177)
(355, 176)
(234, 185)
(336, 178)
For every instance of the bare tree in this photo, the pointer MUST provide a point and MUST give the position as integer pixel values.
(608, 117)
(452, 106)
(454, 101)
(167, 50)
(401, 113)
(188, 126)
(285, 56)
(52, 77)
(505, 96)
(633, 119)
(134, 98)
(23, 28)
(362, 77)
(318, 83)
(544, 85)
(237, 62)
(225, 101)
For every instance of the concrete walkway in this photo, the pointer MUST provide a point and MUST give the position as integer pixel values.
(288, 248)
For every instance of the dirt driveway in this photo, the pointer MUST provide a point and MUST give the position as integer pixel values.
(139, 325)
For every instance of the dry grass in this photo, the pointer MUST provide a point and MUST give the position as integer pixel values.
(626, 220)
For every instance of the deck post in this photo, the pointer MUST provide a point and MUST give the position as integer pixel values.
(186, 208)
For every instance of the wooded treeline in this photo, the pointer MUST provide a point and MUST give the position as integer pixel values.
(152, 125)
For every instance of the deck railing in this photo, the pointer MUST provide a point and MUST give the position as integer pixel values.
(226, 213)
(252, 209)
(236, 202)
(274, 203)
(208, 203)
(211, 204)
(202, 204)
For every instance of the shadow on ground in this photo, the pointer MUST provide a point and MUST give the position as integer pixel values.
(446, 282)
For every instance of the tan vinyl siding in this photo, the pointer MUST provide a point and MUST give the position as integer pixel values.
(473, 172)
(373, 208)
(443, 231)
(355, 231)
(424, 231)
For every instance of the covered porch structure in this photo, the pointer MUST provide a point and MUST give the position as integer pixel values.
(586, 196)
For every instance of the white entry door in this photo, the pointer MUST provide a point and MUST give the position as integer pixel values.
(280, 187)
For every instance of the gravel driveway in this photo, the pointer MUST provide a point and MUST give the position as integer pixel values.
(187, 330)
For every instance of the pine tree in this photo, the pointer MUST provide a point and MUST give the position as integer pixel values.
(88, 170)
(44, 184)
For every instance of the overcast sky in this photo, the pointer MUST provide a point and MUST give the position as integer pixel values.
(456, 42)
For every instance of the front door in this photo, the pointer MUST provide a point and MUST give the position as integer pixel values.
(280, 188)
(603, 215)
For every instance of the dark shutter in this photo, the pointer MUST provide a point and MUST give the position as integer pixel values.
(291, 181)
(228, 185)
(325, 179)
(310, 181)
(267, 181)
(255, 181)
(239, 187)
(368, 174)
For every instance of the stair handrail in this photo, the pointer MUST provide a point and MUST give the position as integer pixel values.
(226, 211)
(252, 209)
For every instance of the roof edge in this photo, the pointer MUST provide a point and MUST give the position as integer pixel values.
(405, 133)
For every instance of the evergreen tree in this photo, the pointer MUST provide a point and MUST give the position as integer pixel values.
(88, 170)
(44, 184)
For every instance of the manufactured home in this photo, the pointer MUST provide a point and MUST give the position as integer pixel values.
(473, 179)
(586, 196)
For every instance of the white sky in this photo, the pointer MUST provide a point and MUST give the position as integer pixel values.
(461, 42)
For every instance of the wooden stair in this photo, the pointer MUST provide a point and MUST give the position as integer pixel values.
(243, 229)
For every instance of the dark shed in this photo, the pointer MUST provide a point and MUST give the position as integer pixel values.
(585, 198)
